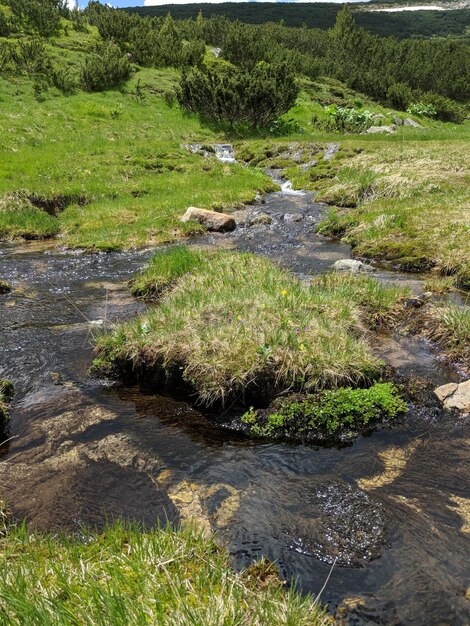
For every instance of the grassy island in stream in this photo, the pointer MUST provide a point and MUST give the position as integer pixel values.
(234, 326)
(128, 576)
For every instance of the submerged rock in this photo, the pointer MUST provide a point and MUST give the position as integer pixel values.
(345, 525)
(213, 221)
(260, 218)
(351, 265)
(455, 396)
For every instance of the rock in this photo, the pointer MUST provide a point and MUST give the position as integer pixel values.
(351, 265)
(306, 166)
(379, 116)
(397, 120)
(374, 130)
(213, 221)
(331, 150)
(455, 396)
(293, 217)
(216, 52)
(410, 122)
(260, 218)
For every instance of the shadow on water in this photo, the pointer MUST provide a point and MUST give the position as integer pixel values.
(391, 510)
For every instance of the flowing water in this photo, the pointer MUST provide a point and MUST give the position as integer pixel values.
(389, 512)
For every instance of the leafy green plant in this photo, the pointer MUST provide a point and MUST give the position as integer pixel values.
(345, 119)
(422, 109)
(327, 412)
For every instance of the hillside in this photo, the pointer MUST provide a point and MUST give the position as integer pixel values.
(450, 22)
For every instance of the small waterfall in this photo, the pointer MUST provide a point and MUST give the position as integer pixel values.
(224, 152)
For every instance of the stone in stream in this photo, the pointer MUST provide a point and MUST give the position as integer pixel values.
(260, 219)
(306, 166)
(293, 217)
(455, 396)
(331, 150)
(351, 265)
(213, 221)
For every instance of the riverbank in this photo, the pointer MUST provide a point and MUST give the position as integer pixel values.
(127, 575)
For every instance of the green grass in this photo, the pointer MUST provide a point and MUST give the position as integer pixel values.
(449, 326)
(328, 413)
(401, 199)
(237, 325)
(118, 162)
(124, 576)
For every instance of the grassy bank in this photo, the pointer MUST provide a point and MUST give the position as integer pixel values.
(402, 200)
(236, 326)
(126, 576)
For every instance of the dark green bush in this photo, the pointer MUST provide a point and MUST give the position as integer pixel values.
(233, 95)
(328, 412)
(105, 68)
(399, 96)
(38, 16)
(446, 110)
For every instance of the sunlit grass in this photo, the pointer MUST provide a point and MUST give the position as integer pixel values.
(237, 325)
(124, 577)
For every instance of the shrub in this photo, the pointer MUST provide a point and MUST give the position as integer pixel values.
(446, 109)
(40, 16)
(105, 68)
(399, 96)
(232, 95)
(327, 412)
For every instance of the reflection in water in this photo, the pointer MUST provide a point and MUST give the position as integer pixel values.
(391, 508)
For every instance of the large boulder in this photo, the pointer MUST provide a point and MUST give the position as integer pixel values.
(410, 122)
(212, 220)
(455, 396)
(375, 130)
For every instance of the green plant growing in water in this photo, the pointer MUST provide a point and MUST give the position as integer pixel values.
(328, 412)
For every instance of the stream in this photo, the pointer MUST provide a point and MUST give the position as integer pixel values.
(387, 515)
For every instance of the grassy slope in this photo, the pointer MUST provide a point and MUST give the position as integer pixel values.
(114, 163)
(124, 576)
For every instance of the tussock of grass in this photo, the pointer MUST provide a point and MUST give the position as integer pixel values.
(238, 326)
(449, 326)
(164, 268)
(126, 576)
(7, 391)
(4, 287)
(379, 304)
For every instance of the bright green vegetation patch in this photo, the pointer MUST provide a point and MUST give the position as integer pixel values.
(126, 576)
(164, 268)
(7, 392)
(327, 413)
(106, 170)
(236, 325)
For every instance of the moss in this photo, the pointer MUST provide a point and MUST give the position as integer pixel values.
(327, 414)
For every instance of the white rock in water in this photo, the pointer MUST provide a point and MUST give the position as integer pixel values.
(455, 396)
(351, 265)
